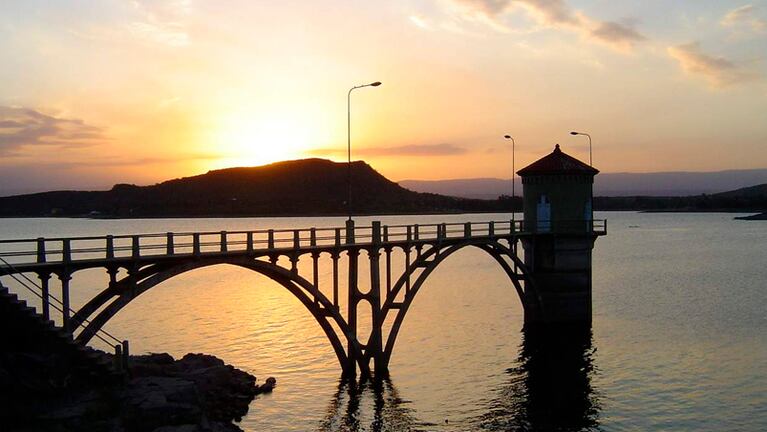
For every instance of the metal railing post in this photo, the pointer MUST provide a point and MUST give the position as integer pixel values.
(296, 240)
(125, 354)
(224, 247)
(313, 237)
(169, 246)
(110, 247)
(118, 358)
(270, 239)
(41, 250)
(196, 244)
(66, 251)
(467, 229)
(249, 240)
(376, 233)
(349, 231)
(136, 247)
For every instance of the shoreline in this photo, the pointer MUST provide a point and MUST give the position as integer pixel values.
(198, 392)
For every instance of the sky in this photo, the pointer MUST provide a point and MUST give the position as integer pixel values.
(94, 93)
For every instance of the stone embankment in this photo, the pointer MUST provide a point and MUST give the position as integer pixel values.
(198, 393)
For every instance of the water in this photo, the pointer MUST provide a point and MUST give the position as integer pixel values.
(679, 339)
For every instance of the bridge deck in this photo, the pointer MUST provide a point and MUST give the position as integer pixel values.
(48, 255)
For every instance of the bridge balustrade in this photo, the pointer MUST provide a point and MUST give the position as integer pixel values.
(66, 250)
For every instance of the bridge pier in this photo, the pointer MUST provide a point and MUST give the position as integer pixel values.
(560, 269)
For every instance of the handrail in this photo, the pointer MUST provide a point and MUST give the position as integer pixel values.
(170, 243)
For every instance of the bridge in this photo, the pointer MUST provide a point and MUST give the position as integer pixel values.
(137, 263)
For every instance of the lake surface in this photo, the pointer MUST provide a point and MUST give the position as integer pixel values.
(679, 338)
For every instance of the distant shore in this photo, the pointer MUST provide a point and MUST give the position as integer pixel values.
(760, 216)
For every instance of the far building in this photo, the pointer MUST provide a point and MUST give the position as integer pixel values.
(557, 204)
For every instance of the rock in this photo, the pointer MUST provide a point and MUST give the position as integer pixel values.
(198, 393)
(268, 386)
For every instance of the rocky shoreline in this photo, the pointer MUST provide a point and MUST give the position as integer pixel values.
(197, 393)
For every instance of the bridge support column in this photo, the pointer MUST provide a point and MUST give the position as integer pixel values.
(560, 268)
(374, 345)
(65, 311)
(353, 300)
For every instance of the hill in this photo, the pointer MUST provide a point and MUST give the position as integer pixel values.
(748, 199)
(607, 184)
(301, 187)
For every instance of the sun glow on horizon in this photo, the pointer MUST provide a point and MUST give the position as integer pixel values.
(250, 139)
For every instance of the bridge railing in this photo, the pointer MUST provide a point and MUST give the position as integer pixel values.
(70, 249)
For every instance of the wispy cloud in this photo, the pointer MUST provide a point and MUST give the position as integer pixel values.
(25, 127)
(405, 150)
(161, 21)
(745, 17)
(718, 71)
(621, 36)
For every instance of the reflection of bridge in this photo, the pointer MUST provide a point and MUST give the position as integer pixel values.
(148, 260)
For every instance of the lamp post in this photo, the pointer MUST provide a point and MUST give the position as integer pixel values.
(349, 141)
(590, 225)
(513, 172)
(589, 136)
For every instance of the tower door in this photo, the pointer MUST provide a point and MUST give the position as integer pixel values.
(544, 214)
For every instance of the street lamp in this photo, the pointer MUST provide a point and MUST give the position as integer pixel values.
(589, 136)
(349, 141)
(513, 172)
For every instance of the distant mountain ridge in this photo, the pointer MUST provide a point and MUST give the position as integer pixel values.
(300, 187)
(607, 184)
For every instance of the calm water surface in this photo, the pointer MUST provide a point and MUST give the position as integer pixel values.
(679, 340)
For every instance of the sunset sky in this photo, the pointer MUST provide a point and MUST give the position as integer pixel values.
(94, 93)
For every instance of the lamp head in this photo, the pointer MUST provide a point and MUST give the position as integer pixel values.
(507, 136)
(575, 133)
(375, 84)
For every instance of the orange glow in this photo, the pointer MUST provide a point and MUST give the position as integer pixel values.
(249, 137)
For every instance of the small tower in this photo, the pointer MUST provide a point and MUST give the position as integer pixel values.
(557, 197)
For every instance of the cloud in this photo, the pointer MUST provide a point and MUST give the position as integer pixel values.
(161, 21)
(25, 127)
(621, 36)
(718, 71)
(405, 150)
(744, 16)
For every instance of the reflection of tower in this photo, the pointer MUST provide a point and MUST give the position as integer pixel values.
(557, 194)
(550, 388)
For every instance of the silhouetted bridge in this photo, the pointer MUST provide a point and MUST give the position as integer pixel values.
(137, 263)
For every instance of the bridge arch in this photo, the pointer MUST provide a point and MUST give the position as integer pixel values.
(430, 260)
(141, 281)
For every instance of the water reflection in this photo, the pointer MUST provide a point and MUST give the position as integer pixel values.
(351, 410)
(550, 387)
